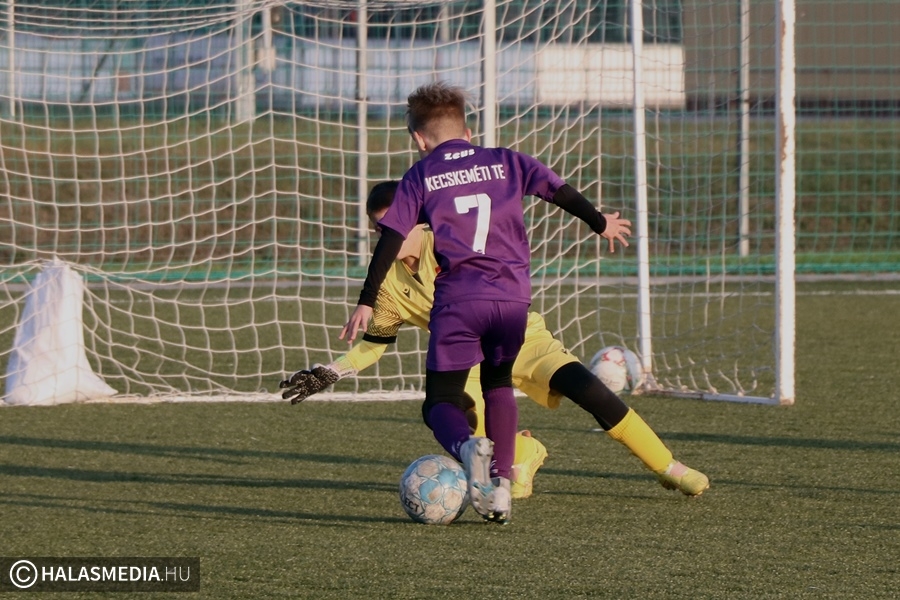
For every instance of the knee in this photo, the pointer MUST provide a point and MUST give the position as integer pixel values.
(463, 401)
(496, 376)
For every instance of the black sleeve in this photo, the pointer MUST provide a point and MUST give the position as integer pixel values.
(386, 251)
(570, 200)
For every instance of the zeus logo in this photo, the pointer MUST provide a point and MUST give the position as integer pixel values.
(460, 154)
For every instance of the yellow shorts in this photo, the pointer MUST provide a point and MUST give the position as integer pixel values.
(540, 357)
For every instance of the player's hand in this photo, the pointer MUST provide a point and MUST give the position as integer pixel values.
(359, 320)
(306, 382)
(616, 230)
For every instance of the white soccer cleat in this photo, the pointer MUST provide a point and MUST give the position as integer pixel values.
(500, 501)
(476, 454)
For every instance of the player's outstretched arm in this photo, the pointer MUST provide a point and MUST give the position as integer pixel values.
(306, 382)
(610, 227)
(383, 256)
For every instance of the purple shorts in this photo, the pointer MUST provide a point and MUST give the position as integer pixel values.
(466, 333)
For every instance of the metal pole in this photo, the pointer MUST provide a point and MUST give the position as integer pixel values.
(744, 130)
(244, 102)
(785, 198)
(489, 75)
(640, 190)
(11, 19)
(267, 60)
(362, 137)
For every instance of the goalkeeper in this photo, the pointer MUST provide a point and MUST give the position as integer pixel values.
(544, 369)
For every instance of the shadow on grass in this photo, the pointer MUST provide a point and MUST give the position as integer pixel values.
(242, 511)
(182, 509)
(786, 442)
(105, 476)
(222, 455)
(716, 482)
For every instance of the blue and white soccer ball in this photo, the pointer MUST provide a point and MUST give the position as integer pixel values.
(434, 490)
(618, 368)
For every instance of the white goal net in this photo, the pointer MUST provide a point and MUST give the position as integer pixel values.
(203, 167)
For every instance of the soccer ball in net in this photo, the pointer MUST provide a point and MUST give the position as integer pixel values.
(434, 490)
(618, 368)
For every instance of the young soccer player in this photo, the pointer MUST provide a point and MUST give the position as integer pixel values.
(472, 199)
(544, 369)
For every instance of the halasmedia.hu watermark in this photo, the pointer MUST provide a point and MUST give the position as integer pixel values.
(100, 574)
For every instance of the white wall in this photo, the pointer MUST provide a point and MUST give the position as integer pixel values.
(323, 74)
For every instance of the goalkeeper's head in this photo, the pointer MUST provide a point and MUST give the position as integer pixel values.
(381, 196)
(436, 113)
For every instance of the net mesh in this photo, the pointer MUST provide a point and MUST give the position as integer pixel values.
(203, 168)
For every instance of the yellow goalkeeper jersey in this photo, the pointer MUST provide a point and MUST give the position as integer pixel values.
(406, 297)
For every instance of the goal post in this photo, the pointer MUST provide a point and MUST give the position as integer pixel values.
(785, 197)
(785, 180)
(204, 169)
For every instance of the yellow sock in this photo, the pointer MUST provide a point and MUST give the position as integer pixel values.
(634, 433)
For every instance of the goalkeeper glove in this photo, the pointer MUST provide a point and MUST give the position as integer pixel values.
(306, 382)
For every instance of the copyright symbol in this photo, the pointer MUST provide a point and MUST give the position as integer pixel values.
(23, 574)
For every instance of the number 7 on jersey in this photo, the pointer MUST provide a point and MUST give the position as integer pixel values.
(482, 203)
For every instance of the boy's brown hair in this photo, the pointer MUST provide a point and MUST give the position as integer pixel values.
(437, 110)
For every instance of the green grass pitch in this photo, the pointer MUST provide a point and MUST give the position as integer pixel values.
(283, 501)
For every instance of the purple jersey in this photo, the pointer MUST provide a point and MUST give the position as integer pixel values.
(472, 198)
